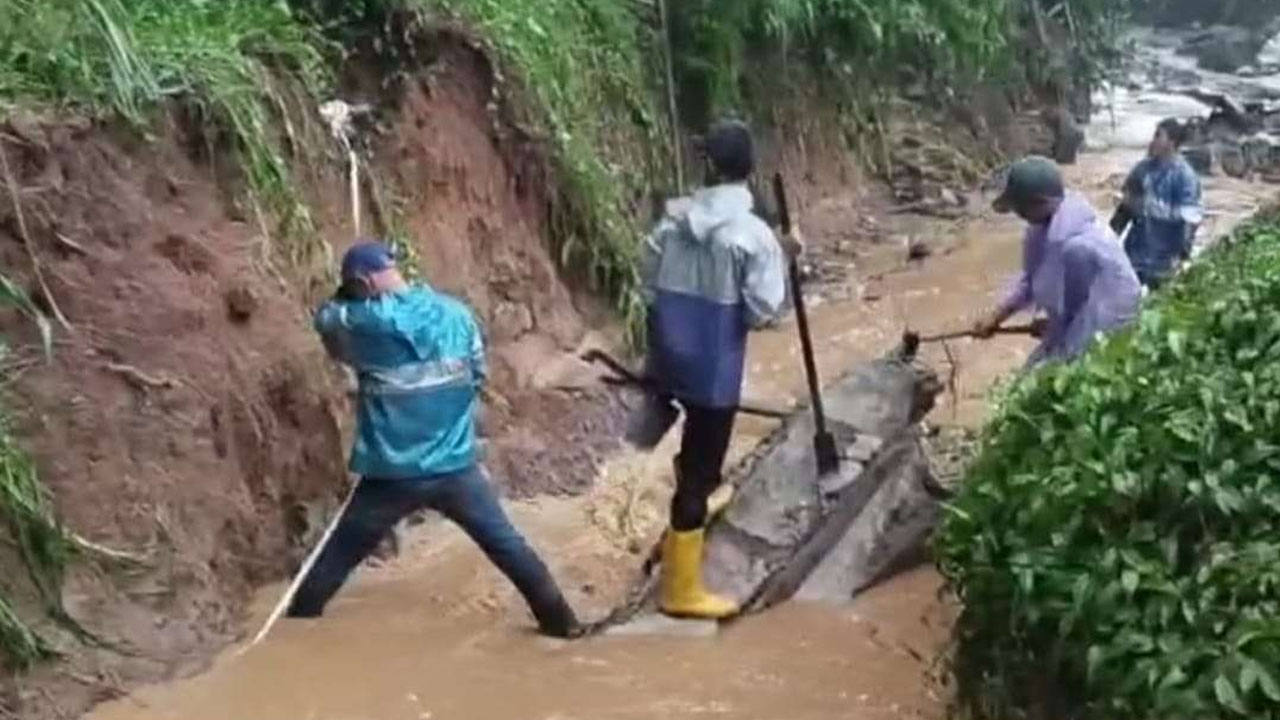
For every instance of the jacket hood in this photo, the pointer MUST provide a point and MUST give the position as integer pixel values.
(709, 209)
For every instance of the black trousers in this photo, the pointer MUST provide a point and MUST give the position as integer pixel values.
(705, 442)
(464, 497)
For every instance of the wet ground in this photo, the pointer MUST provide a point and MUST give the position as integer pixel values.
(437, 634)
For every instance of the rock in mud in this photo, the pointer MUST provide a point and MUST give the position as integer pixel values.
(1225, 48)
(1233, 162)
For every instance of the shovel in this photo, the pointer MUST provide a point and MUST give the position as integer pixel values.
(824, 445)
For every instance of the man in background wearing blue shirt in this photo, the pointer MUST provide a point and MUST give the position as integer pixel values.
(1162, 200)
(419, 358)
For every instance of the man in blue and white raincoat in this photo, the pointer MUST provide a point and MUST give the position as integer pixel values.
(419, 358)
(1162, 198)
(714, 271)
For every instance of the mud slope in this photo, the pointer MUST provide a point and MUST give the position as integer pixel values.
(189, 416)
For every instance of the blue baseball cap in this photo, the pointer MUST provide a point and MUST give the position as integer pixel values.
(366, 258)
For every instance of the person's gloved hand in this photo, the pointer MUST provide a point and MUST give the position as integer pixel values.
(793, 244)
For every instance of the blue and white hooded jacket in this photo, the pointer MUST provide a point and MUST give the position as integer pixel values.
(713, 272)
(419, 358)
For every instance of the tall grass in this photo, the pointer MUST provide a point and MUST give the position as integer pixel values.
(226, 59)
(860, 44)
(43, 544)
(29, 520)
(719, 42)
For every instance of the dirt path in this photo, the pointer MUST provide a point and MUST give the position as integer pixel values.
(436, 634)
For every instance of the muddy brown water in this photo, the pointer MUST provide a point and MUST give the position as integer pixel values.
(436, 634)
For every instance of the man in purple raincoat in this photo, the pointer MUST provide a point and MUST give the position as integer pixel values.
(1074, 270)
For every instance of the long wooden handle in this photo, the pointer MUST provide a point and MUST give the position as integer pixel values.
(802, 316)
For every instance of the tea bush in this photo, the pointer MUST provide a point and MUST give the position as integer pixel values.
(1116, 544)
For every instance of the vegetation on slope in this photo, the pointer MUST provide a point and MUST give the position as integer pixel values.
(1116, 543)
(853, 46)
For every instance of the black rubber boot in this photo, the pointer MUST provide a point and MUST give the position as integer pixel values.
(556, 619)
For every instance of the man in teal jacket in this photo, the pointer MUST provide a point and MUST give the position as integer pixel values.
(419, 358)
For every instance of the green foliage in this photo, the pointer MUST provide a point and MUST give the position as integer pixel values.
(719, 42)
(223, 59)
(859, 46)
(1116, 543)
(1069, 48)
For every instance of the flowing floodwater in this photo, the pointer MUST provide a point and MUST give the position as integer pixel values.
(436, 634)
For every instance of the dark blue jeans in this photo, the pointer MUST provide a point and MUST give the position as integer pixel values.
(465, 498)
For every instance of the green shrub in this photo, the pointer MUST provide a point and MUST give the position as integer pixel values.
(1116, 544)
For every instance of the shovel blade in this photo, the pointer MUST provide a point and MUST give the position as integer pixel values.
(824, 446)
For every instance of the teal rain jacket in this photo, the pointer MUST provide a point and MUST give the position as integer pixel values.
(419, 358)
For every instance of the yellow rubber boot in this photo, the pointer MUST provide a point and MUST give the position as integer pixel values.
(683, 594)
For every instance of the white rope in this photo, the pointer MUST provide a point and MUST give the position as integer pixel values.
(287, 598)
